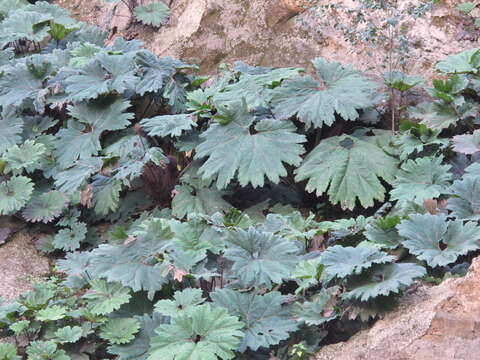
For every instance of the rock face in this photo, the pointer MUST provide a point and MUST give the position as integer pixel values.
(436, 323)
(277, 32)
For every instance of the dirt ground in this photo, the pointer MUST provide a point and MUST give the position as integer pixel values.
(20, 263)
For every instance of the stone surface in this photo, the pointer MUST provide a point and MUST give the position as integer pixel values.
(276, 33)
(434, 323)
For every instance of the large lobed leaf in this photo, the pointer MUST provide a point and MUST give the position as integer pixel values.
(266, 322)
(343, 91)
(340, 261)
(437, 241)
(421, 179)
(349, 168)
(200, 333)
(248, 152)
(260, 258)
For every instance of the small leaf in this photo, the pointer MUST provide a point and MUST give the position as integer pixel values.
(69, 334)
(103, 297)
(183, 300)
(421, 179)
(168, 125)
(317, 311)
(401, 81)
(41, 350)
(154, 13)
(26, 156)
(52, 313)
(119, 330)
(45, 207)
(8, 352)
(69, 239)
(14, 194)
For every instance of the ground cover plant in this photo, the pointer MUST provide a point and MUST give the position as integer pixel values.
(252, 215)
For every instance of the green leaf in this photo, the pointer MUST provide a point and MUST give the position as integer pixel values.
(464, 62)
(155, 71)
(20, 84)
(83, 54)
(307, 274)
(182, 300)
(138, 348)
(383, 280)
(467, 143)
(75, 142)
(106, 194)
(343, 90)
(437, 241)
(103, 297)
(14, 194)
(201, 333)
(119, 330)
(466, 7)
(340, 261)
(69, 239)
(154, 13)
(19, 327)
(260, 258)
(102, 116)
(421, 179)
(45, 207)
(82, 139)
(417, 139)
(133, 264)
(52, 313)
(382, 232)
(26, 156)
(8, 352)
(402, 82)
(255, 89)
(23, 24)
(42, 350)
(11, 128)
(466, 203)
(58, 31)
(340, 165)
(70, 180)
(168, 125)
(317, 311)
(275, 142)
(54, 12)
(435, 115)
(189, 200)
(266, 322)
(69, 334)
(89, 83)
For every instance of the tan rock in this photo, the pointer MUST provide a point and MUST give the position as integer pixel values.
(434, 323)
(297, 6)
(279, 33)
